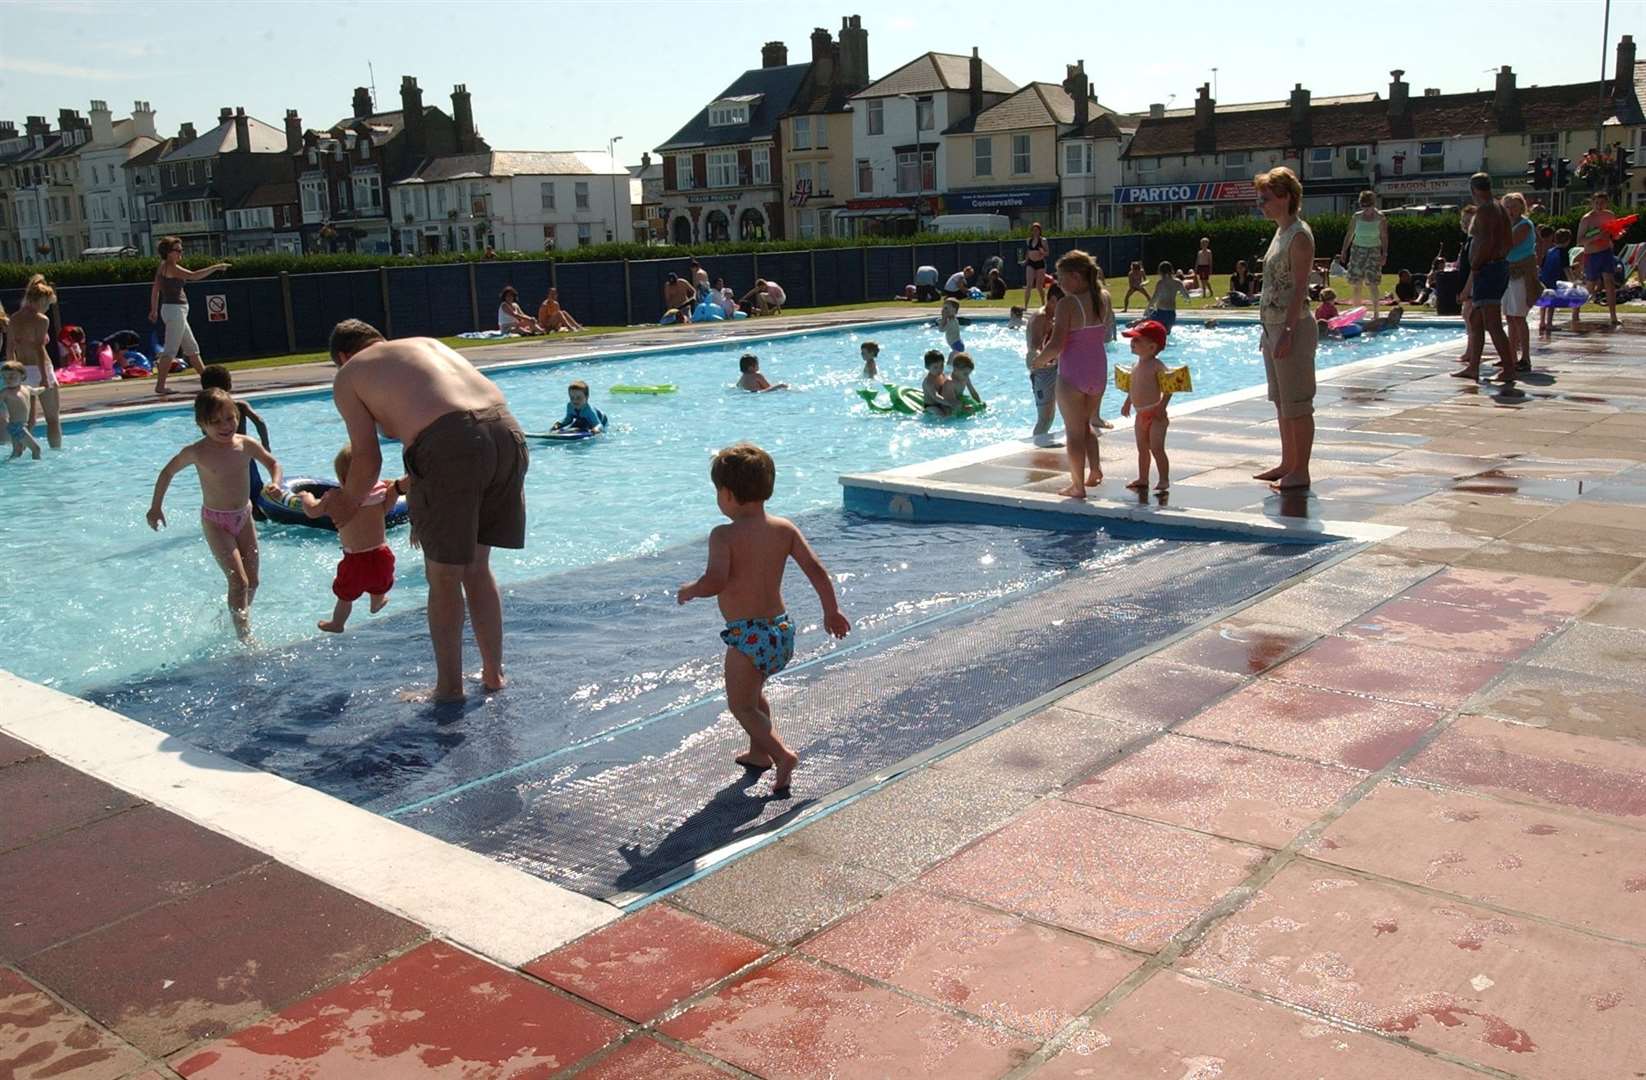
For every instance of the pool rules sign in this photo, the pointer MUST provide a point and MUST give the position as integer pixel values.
(217, 308)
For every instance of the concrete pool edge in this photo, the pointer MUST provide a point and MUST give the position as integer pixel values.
(480, 903)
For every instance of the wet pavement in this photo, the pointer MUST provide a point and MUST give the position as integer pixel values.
(1386, 822)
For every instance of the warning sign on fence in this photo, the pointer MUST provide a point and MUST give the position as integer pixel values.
(217, 308)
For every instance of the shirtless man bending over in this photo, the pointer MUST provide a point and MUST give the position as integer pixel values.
(1487, 280)
(467, 461)
(26, 339)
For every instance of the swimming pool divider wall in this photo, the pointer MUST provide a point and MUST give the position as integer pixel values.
(295, 312)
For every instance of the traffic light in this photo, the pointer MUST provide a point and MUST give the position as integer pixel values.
(1625, 165)
(1548, 173)
(1563, 172)
(1534, 173)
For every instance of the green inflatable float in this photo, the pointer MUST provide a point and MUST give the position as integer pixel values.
(909, 401)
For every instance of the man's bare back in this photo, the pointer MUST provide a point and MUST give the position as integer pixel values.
(409, 383)
(1491, 233)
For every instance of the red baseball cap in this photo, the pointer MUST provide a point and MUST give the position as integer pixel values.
(1148, 328)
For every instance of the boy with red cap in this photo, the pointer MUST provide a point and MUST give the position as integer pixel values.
(1148, 401)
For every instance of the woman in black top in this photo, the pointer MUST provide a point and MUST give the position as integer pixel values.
(1034, 265)
(1241, 286)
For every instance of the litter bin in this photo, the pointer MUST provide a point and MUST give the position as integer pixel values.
(1446, 302)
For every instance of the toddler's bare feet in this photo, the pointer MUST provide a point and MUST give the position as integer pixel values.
(378, 603)
(1162, 487)
(780, 778)
(1270, 474)
(1094, 478)
(492, 681)
(1072, 492)
(434, 696)
(1137, 485)
(330, 626)
(753, 759)
(1293, 481)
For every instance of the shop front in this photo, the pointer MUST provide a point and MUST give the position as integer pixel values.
(1142, 206)
(1423, 191)
(1022, 206)
(899, 216)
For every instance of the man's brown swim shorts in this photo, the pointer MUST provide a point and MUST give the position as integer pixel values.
(468, 473)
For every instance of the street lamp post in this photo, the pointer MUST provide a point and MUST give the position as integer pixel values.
(611, 152)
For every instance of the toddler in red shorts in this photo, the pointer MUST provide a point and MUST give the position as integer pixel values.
(367, 568)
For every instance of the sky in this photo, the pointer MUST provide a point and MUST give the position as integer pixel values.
(571, 75)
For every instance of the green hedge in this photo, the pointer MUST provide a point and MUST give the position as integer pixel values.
(117, 271)
(1413, 241)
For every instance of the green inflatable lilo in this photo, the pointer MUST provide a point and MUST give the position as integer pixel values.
(909, 401)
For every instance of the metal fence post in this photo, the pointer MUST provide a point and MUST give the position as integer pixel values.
(628, 295)
(864, 263)
(811, 259)
(474, 300)
(388, 310)
(285, 305)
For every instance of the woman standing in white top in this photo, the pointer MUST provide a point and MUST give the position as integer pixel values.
(1289, 332)
(169, 305)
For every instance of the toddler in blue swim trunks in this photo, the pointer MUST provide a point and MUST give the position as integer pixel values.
(19, 404)
(747, 558)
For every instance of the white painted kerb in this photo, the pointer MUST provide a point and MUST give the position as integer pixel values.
(500, 912)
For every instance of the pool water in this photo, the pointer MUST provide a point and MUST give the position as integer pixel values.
(94, 598)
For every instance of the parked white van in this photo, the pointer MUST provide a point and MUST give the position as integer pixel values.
(971, 223)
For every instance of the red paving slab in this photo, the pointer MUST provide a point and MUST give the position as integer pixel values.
(40, 1038)
(648, 1059)
(43, 796)
(1229, 790)
(1392, 672)
(1030, 977)
(1128, 881)
(80, 880)
(1153, 691)
(1325, 725)
(195, 968)
(1530, 999)
(1509, 594)
(434, 1012)
(1595, 776)
(793, 1019)
(641, 965)
(1557, 865)
(1239, 647)
(1177, 1028)
(12, 751)
(1472, 630)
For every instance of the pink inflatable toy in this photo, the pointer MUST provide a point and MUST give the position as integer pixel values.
(80, 373)
(1348, 318)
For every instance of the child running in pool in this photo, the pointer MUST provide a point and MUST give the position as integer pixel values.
(1163, 302)
(751, 379)
(580, 415)
(1148, 401)
(746, 562)
(870, 351)
(217, 376)
(367, 568)
(221, 459)
(19, 400)
(949, 323)
(935, 387)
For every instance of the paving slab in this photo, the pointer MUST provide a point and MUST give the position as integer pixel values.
(76, 881)
(1322, 725)
(782, 892)
(1471, 631)
(1132, 882)
(1567, 701)
(42, 796)
(1177, 1028)
(642, 1058)
(1514, 994)
(14, 750)
(640, 966)
(1606, 651)
(1392, 672)
(1243, 794)
(1594, 566)
(198, 967)
(1046, 751)
(1029, 977)
(1152, 690)
(1240, 646)
(1565, 868)
(41, 1038)
(793, 1020)
(1511, 594)
(1623, 607)
(1599, 777)
(434, 1012)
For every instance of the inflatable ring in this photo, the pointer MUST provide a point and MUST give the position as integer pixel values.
(562, 435)
(909, 401)
(1346, 319)
(657, 388)
(289, 509)
(1172, 380)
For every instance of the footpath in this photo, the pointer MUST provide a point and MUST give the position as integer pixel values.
(1387, 822)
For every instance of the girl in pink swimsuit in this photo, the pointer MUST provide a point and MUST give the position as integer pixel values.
(1079, 329)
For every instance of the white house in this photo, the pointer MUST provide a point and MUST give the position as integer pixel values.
(516, 200)
(112, 220)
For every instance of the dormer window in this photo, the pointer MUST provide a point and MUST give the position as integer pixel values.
(726, 114)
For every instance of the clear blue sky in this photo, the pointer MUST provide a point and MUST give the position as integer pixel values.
(561, 76)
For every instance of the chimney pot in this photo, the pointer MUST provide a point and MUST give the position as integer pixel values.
(774, 54)
(1157, 111)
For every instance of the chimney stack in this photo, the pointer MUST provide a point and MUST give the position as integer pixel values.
(294, 132)
(142, 119)
(825, 59)
(854, 53)
(1205, 112)
(102, 122)
(974, 83)
(8, 130)
(185, 133)
(1505, 103)
(411, 107)
(774, 54)
(1079, 88)
(1157, 111)
(1623, 79)
(1399, 96)
(67, 121)
(242, 131)
(463, 118)
(225, 115)
(1299, 105)
(362, 105)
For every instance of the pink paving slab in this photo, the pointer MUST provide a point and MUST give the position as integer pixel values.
(1471, 630)
(1229, 790)
(1239, 646)
(12, 751)
(1563, 867)
(1029, 977)
(194, 968)
(79, 880)
(1326, 725)
(1132, 882)
(1601, 777)
(435, 1012)
(793, 1020)
(1152, 690)
(42, 796)
(1509, 594)
(1391, 672)
(648, 1059)
(641, 965)
(41, 1038)
(1530, 999)
(1177, 1028)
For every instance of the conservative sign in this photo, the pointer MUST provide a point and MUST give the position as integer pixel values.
(1209, 191)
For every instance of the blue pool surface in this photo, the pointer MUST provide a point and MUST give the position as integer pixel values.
(95, 599)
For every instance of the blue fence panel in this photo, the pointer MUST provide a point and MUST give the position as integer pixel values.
(840, 276)
(529, 278)
(100, 310)
(321, 301)
(793, 271)
(646, 280)
(941, 256)
(889, 270)
(593, 293)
